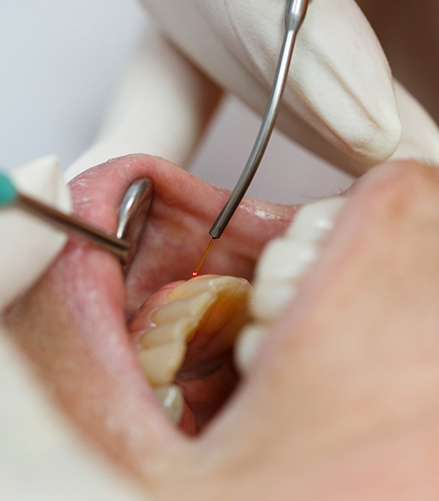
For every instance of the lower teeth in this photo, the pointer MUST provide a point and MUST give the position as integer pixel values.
(172, 401)
(203, 306)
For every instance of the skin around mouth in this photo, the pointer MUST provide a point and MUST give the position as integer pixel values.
(73, 324)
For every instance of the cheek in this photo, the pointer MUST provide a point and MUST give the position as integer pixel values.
(81, 351)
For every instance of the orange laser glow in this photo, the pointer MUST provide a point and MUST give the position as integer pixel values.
(195, 273)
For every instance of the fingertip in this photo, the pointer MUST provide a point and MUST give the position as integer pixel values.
(343, 78)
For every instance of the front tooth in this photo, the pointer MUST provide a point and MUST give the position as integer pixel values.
(172, 401)
(289, 257)
(179, 330)
(191, 306)
(161, 363)
(271, 297)
(286, 259)
(283, 263)
(314, 221)
(248, 344)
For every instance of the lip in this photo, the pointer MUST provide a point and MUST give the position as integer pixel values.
(73, 324)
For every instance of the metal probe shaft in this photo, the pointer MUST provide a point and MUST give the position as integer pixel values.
(100, 237)
(294, 17)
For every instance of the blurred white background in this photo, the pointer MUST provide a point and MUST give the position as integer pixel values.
(61, 61)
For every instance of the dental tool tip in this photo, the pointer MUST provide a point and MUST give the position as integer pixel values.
(195, 273)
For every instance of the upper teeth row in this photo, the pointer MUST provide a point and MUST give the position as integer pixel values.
(283, 263)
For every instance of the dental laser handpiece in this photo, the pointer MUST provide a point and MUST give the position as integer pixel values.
(294, 16)
(132, 216)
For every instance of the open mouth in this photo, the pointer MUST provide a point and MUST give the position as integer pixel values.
(97, 338)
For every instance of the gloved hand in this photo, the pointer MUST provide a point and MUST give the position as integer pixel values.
(28, 244)
(340, 83)
(340, 101)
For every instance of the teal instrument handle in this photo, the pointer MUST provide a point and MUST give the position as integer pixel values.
(8, 193)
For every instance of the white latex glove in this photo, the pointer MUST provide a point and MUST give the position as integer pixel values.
(29, 245)
(340, 87)
(339, 102)
(340, 84)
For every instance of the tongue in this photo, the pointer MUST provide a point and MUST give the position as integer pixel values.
(73, 324)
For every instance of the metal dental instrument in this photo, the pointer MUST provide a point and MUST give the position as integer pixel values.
(133, 214)
(294, 17)
(135, 206)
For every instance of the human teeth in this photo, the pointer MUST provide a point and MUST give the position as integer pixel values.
(271, 298)
(206, 283)
(286, 259)
(203, 305)
(314, 221)
(247, 346)
(283, 264)
(160, 363)
(195, 306)
(171, 399)
(180, 330)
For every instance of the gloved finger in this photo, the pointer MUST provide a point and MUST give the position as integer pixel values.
(339, 101)
(161, 108)
(420, 133)
(28, 244)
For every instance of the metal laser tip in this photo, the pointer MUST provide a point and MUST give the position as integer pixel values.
(294, 17)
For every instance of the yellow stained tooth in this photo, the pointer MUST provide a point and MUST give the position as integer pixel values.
(192, 306)
(172, 401)
(206, 306)
(180, 330)
(205, 283)
(161, 363)
(230, 310)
